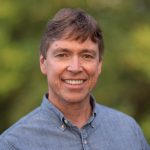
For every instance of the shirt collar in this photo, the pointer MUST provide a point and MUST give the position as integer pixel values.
(51, 109)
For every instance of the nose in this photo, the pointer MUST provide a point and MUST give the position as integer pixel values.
(74, 65)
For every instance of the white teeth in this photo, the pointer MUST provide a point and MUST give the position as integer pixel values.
(74, 81)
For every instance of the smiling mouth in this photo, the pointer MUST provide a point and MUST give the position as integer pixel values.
(74, 82)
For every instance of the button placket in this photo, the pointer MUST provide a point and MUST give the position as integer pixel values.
(84, 141)
(84, 137)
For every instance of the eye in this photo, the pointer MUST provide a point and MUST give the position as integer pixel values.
(87, 56)
(62, 55)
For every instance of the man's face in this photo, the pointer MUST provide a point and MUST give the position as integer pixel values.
(72, 69)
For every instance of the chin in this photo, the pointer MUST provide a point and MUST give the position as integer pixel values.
(75, 98)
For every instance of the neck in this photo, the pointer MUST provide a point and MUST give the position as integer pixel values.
(78, 113)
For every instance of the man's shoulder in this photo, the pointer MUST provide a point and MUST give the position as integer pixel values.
(17, 129)
(113, 115)
(119, 124)
(24, 121)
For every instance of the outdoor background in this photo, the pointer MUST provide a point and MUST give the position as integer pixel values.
(125, 80)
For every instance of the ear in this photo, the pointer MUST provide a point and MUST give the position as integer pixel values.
(43, 65)
(99, 67)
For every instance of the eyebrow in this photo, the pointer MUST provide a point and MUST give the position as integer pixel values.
(60, 50)
(57, 50)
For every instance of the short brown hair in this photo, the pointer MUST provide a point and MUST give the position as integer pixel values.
(73, 24)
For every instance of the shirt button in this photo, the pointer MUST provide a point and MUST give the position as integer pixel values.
(85, 142)
(92, 125)
(62, 126)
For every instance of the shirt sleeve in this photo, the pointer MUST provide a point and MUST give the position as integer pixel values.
(4, 145)
(141, 138)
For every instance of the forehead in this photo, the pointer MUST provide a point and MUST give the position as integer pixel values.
(73, 45)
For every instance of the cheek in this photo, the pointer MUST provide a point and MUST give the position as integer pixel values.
(54, 73)
(93, 72)
(54, 68)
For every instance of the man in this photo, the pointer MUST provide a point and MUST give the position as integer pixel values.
(69, 118)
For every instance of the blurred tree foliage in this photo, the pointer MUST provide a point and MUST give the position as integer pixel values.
(125, 80)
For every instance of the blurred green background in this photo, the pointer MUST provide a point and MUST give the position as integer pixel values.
(125, 80)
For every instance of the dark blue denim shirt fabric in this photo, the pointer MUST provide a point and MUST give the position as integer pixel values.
(46, 128)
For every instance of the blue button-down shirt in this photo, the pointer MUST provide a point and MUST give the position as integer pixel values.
(46, 128)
